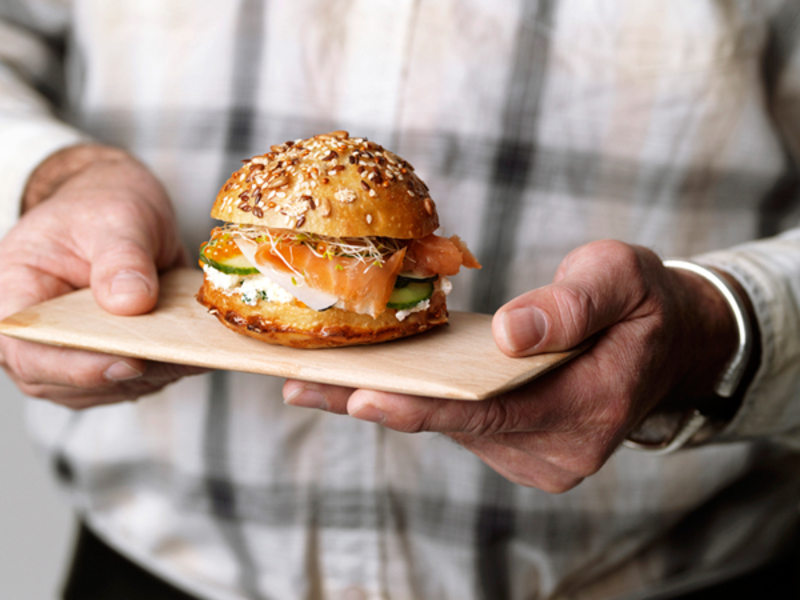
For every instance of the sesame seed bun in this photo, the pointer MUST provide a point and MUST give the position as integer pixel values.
(292, 325)
(331, 185)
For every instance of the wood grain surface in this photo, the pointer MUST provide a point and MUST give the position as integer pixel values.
(459, 360)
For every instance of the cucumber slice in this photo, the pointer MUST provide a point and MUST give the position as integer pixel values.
(404, 280)
(410, 295)
(235, 265)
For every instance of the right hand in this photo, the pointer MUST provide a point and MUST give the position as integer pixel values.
(106, 223)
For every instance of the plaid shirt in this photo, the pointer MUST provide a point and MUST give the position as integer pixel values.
(539, 126)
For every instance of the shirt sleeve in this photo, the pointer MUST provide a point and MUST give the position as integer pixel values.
(29, 129)
(769, 269)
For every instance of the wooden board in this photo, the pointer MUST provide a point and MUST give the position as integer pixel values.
(459, 360)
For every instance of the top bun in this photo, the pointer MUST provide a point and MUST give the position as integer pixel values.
(331, 185)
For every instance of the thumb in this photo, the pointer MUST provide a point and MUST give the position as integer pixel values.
(124, 277)
(597, 286)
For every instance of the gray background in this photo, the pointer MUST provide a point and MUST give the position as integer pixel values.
(36, 526)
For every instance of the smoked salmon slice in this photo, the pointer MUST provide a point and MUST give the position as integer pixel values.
(362, 287)
(436, 255)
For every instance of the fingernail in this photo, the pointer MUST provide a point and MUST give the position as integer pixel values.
(121, 371)
(306, 398)
(369, 413)
(130, 283)
(524, 328)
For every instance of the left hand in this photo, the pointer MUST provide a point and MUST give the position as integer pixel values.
(663, 337)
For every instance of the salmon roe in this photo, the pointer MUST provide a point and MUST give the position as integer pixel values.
(221, 247)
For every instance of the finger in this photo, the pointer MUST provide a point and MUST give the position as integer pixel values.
(125, 253)
(578, 454)
(597, 286)
(330, 398)
(124, 278)
(30, 287)
(520, 467)
(157, 376)
(415, 414)
(35, 364)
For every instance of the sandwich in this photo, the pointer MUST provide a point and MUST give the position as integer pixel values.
(328, 242)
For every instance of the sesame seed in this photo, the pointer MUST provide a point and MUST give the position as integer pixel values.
(428, 206)
(345, 195)
(369, 219)
(410, 193)
(300, 220)
(281, 194)
(332, 155)
(324, 207)
(365, 186)
(258, 212)
(372, 193)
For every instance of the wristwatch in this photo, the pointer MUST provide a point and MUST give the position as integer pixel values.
(692, 421)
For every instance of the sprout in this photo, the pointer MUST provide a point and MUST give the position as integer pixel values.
(371, 251)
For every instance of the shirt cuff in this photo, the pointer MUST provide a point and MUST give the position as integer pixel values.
(26, 143)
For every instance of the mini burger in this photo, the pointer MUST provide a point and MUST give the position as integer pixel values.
(328, 242)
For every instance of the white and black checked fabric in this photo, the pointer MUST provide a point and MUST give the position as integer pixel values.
(539, 125)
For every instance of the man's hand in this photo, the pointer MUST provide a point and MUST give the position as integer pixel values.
(663, 337)
(93, 216)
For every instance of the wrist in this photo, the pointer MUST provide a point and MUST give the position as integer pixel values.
(723, 352)
(719, 335)
(61, 166)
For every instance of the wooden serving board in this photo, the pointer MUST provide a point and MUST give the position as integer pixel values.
(459, 360)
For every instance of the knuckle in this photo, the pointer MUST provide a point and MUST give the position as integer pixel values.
(417, 421)
(21, 370)
(575, 309)
(34, 390)
(497, 417)
(560, 486)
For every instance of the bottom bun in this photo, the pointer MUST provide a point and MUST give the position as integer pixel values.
(291, 325)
